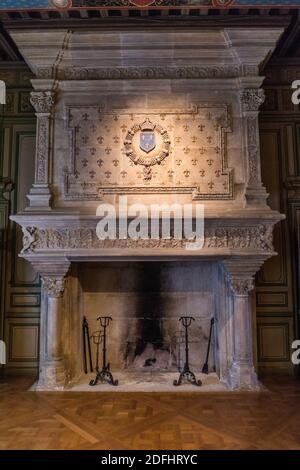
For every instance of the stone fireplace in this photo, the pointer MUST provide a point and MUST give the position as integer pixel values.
(197, 93)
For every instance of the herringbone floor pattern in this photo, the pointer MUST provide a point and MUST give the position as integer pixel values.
(181, 421)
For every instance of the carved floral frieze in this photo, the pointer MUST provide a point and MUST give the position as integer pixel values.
(257, 237)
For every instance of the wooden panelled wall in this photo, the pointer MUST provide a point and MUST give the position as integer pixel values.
(20, 287)
(276, 286)
(276, 292)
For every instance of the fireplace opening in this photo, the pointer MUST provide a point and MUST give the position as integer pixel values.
(145, 301)
(150, 349)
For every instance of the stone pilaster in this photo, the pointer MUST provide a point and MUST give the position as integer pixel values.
(40, 194)
(240, 274)
(251, 99)
(52, 368)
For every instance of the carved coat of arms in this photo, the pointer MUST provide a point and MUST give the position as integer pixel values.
(147, 138)
(150, 137)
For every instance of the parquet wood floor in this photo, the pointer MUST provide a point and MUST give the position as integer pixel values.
(182, 421)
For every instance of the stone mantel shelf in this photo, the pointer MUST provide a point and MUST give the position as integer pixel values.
(242, 233)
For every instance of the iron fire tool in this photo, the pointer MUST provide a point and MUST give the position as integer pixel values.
(86, 340)
(205, 365)
(104, 375)
(186, 373)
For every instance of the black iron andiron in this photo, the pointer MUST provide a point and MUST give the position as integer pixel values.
(186, 373)
(104, 375)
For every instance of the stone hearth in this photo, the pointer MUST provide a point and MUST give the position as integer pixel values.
(198, 93)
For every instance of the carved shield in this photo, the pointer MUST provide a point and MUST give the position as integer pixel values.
(147, 141)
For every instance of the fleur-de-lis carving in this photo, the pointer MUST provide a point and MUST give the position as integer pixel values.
(93, 128)
(201, 127)
(186, 173)
(202, 150)
(85, 116)
(209, 139)
(186, 150)
(123, 127)
(218, 173)
(211, 184)
(194, 162)
(170, 173)
(108, 173)
(108, 150)
(116, 139)
(84, 162)
(185, 127)
(85, 139)
(209, 161)
(202, 173)
(93, 151)
(100, 162)
(116, 162)
(116, 117)
(162, 117)
(177, 117)
(216, 127)
(123, 173)
(178, 162)
(92, 173)
(100, 139)
(217, 149)
(177, 139)
(194, 139)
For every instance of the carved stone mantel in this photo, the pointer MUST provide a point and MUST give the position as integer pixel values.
(75, 238)
(200, 92)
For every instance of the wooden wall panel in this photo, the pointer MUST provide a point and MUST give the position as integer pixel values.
(20, 299)
(276, 284)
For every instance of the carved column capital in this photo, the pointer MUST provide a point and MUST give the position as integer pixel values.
(241, 286)
(252, 99)
(240, 274)
(42, 101)
(54, 285)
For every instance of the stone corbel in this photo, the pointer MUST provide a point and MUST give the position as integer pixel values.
(251, 99)
(52, 367)
(40, 194)
(240, 274)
